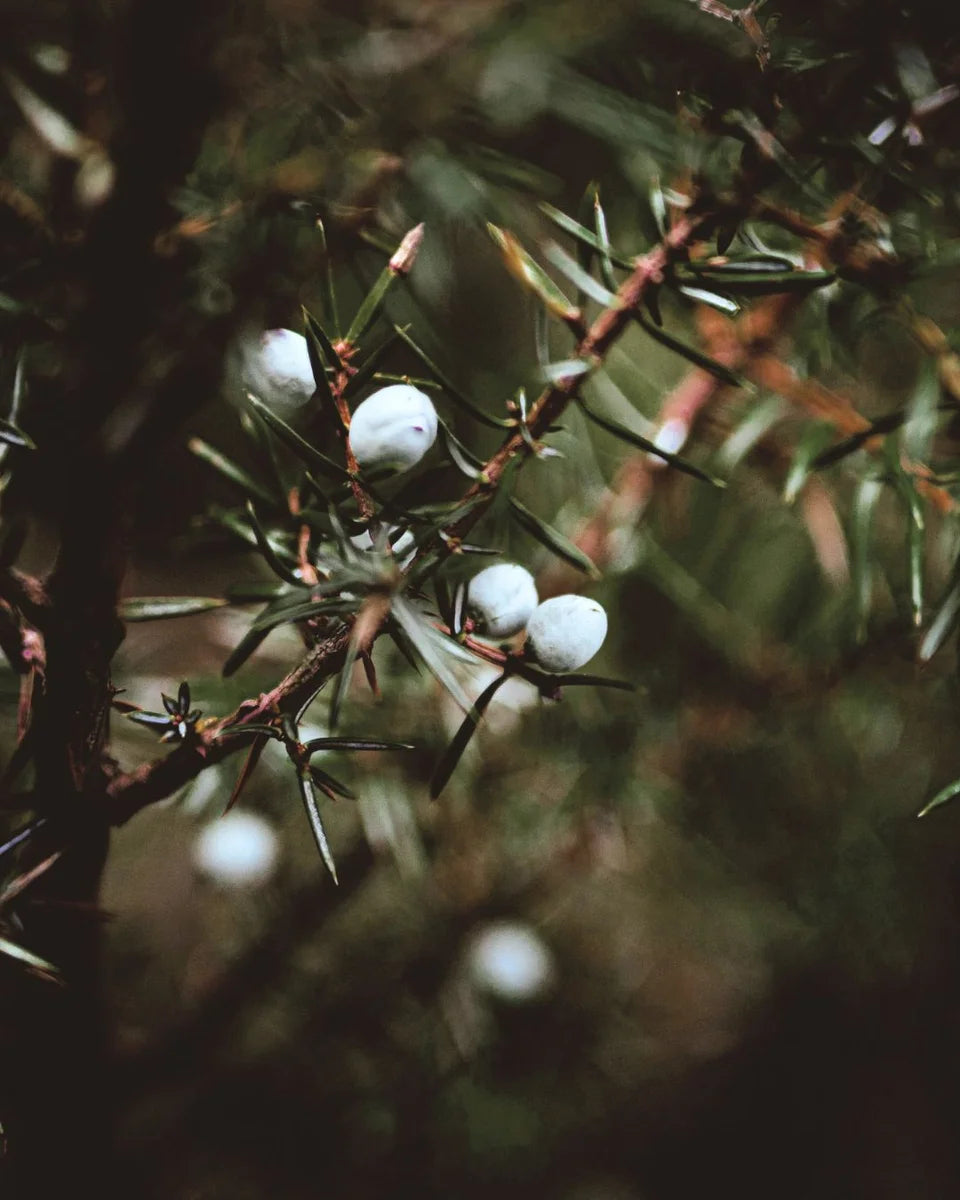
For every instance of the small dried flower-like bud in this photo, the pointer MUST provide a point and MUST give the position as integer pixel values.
(566, 632)
(277, 369)
(393, 428)
(501, 599)
(406, 253)
(239, 849)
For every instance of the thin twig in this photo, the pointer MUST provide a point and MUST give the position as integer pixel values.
(593, 348)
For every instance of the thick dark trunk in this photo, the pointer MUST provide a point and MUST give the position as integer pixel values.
(136, 355)
(54, 1087)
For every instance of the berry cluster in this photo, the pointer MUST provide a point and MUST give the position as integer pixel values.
(563, 633)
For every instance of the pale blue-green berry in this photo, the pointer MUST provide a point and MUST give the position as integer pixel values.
(238, 849)
(565, 633)
(276, 368)
(508, 960)
(501, 599)
(393, 429)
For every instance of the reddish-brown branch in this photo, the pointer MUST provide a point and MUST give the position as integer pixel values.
(365, 505)
(127, 793)
(592, 349)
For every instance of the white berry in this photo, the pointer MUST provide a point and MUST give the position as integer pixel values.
(393, 428)
(510, 961)
(501, 599)
(239, 849)
(276, 368)
(566, 632)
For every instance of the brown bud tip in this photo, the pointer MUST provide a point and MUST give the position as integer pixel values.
(406, 253)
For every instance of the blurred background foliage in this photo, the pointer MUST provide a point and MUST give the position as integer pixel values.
(755, 975)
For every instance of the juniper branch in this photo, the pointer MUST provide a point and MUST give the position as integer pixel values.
(129, 792)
